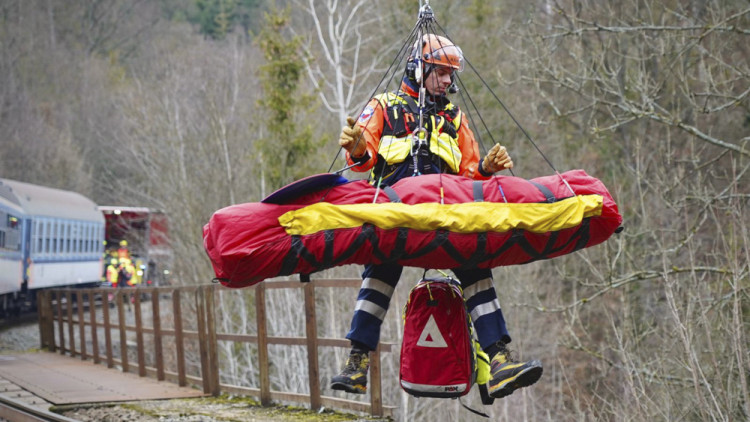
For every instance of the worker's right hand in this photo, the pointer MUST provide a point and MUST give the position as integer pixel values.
(351, 139)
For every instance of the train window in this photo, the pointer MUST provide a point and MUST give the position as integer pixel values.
(61, 236)
(73, 238)
(35, 243)
(40, 236)
(10, 234)
(65, 238)
(46, 236)
(92, 238)
(86, 238)
(82, 238)
(56, 232)
(52, 249)
(69, 238)
(80, 248)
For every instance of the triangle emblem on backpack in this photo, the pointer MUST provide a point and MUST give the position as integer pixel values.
(431, 336)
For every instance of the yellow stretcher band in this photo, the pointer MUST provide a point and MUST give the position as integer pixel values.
(470, 217)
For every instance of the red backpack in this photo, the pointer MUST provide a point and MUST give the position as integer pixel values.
(438, 358)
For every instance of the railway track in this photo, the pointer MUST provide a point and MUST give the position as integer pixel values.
(14, 321)
(14, 410)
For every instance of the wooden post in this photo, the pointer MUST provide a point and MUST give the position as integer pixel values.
(107, 329)
(71, 329)
(376, 398)
(311, 332)
(263, 363)
(178, 338)
(94, 334)
(46, 321)
(81, 324)
(200, 307)
(60, 327)
(156, 322)
(139, 334)
(213, 354)
(123, 334)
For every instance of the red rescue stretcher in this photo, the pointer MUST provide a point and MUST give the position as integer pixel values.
(434, 221)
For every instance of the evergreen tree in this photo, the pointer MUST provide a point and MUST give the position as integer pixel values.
(217, 18)
(287, 149)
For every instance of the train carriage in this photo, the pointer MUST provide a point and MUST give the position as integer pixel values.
(50, 238)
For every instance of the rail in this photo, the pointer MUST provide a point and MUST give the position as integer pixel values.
(19, 411)
(70, 324)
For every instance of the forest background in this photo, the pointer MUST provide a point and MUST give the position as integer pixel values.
(190, 106)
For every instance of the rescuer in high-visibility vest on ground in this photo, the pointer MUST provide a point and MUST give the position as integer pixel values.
(112, 270)
(381, 140)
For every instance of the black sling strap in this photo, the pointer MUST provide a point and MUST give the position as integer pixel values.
(550, 198)
(476, 188)
(392, 195)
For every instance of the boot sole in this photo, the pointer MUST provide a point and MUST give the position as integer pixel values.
(354, 389)
(524, 378)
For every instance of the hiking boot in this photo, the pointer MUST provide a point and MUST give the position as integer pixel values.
(509, 375)
(353, 379)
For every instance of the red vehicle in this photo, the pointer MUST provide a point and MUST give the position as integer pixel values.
(142, 234)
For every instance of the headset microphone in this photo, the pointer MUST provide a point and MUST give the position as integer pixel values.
(452, 88)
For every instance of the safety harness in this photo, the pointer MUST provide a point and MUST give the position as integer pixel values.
(400, 115)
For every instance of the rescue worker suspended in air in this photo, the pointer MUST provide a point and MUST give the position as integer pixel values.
(398, 136)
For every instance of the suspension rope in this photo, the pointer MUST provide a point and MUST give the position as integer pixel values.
(512, 117)
(397, 59)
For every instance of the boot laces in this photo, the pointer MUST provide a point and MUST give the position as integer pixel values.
(507, 356)
(354, 361)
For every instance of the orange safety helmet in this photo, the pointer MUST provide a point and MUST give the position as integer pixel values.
(441, 51)
(436, 51)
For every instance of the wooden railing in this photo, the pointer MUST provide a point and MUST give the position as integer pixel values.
(65, 315)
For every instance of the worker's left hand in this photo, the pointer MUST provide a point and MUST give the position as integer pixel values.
(497, 159)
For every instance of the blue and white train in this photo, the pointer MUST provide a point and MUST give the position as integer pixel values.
(48, 238)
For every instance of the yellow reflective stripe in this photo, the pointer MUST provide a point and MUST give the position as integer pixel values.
(393, 149)
(470, 217)
(388, 99)
(446, 148)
